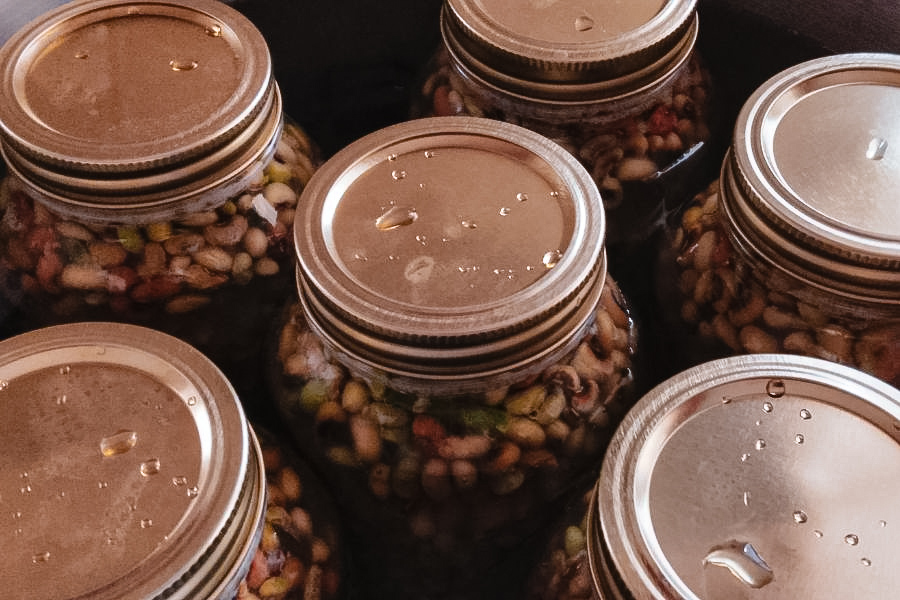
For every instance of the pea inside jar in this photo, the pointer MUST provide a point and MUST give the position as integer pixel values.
(449, 378)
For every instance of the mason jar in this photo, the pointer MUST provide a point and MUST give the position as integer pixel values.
(623, 89)
(152, 177)
(735, 479)
(457, 355)
(796, 248)
(129, 470)
(300, 553)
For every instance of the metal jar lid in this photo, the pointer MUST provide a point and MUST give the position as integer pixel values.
(449, 251)
(127, 471)
(763, 476)
(567, 50)
(811, 181)
(116, 110)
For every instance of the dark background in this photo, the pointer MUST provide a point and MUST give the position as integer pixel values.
(346, 67)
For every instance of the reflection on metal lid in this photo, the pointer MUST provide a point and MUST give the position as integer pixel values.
(812, 177)
(449, 246)
(776, 475)
(124, 470)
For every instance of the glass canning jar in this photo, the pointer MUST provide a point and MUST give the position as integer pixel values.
(735, 479)
(622, 88)
(129, 470)
(458, 355)
(300, 553)
(152, 177)
(796, 247)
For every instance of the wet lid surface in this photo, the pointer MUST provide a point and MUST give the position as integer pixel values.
(554, 44)
(439, 240)
(123, 457)
(761, 476)
(815, 168)
(111, 91)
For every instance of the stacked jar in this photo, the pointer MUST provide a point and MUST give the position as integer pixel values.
(458, 355)
(733, 479)
(796, 247)
(150, 182)
(624, 90)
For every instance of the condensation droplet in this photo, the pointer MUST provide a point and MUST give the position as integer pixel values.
(179, 480)
(800, 517)
(429, 154)
(183, 65)
(551, 258)
(743, 561)
(877, 148)
(422, 239)
(726, 400)
(193, 491)
(775, 388)
(3, 384)
(146, 523)
(40, 557)
(392, 157)
(882, 523)
(504, 211)
(150, 467)
(360, 256)
(398, 174)
(118, 443)
(745, 457)
(865, 562)
(818, 533)
(760, 444)
(81, 55)
(851, 539)
(554, 194)
(396, 216)
(747, 498)
(469, 224)
(103, 485)
(65, 370)
(584, 23)
(805, 414)
(799, 439)
(768, 407)
(214, 30)
(522, 197)
(192, 401)
(61, 399)
(27, 489)
(17, 514)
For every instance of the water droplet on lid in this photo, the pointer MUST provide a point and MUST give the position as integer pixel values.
(865, 562)
(392, 157)
(469, 224)
(522, 197)
(40, 557)
(65, 370)
(192, 401)
(768, 407)
(118, 443)
(422, 239)
(882, 523)
(745, 457)
(3, 384)
(429, 154)
(61, 399)
(360, 256)
(551, 258)
(17, 514)
(398, 174)
(726, 400)
(504, 211)
(851, 539)
(554, 194)
(103, 485)
(818, 533)
(799, 439)
(805, 414)
(150, 467)
(877, 148)
(179, 480)
(183, 65)
(146, 523)
(25, 489)
(214, 30)
(800, 517)
(193, 491)
(743, 561)
(396, 216)
(81, 55)
(747, 498)
(584, 23)
(760, 444)
(775, 388)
